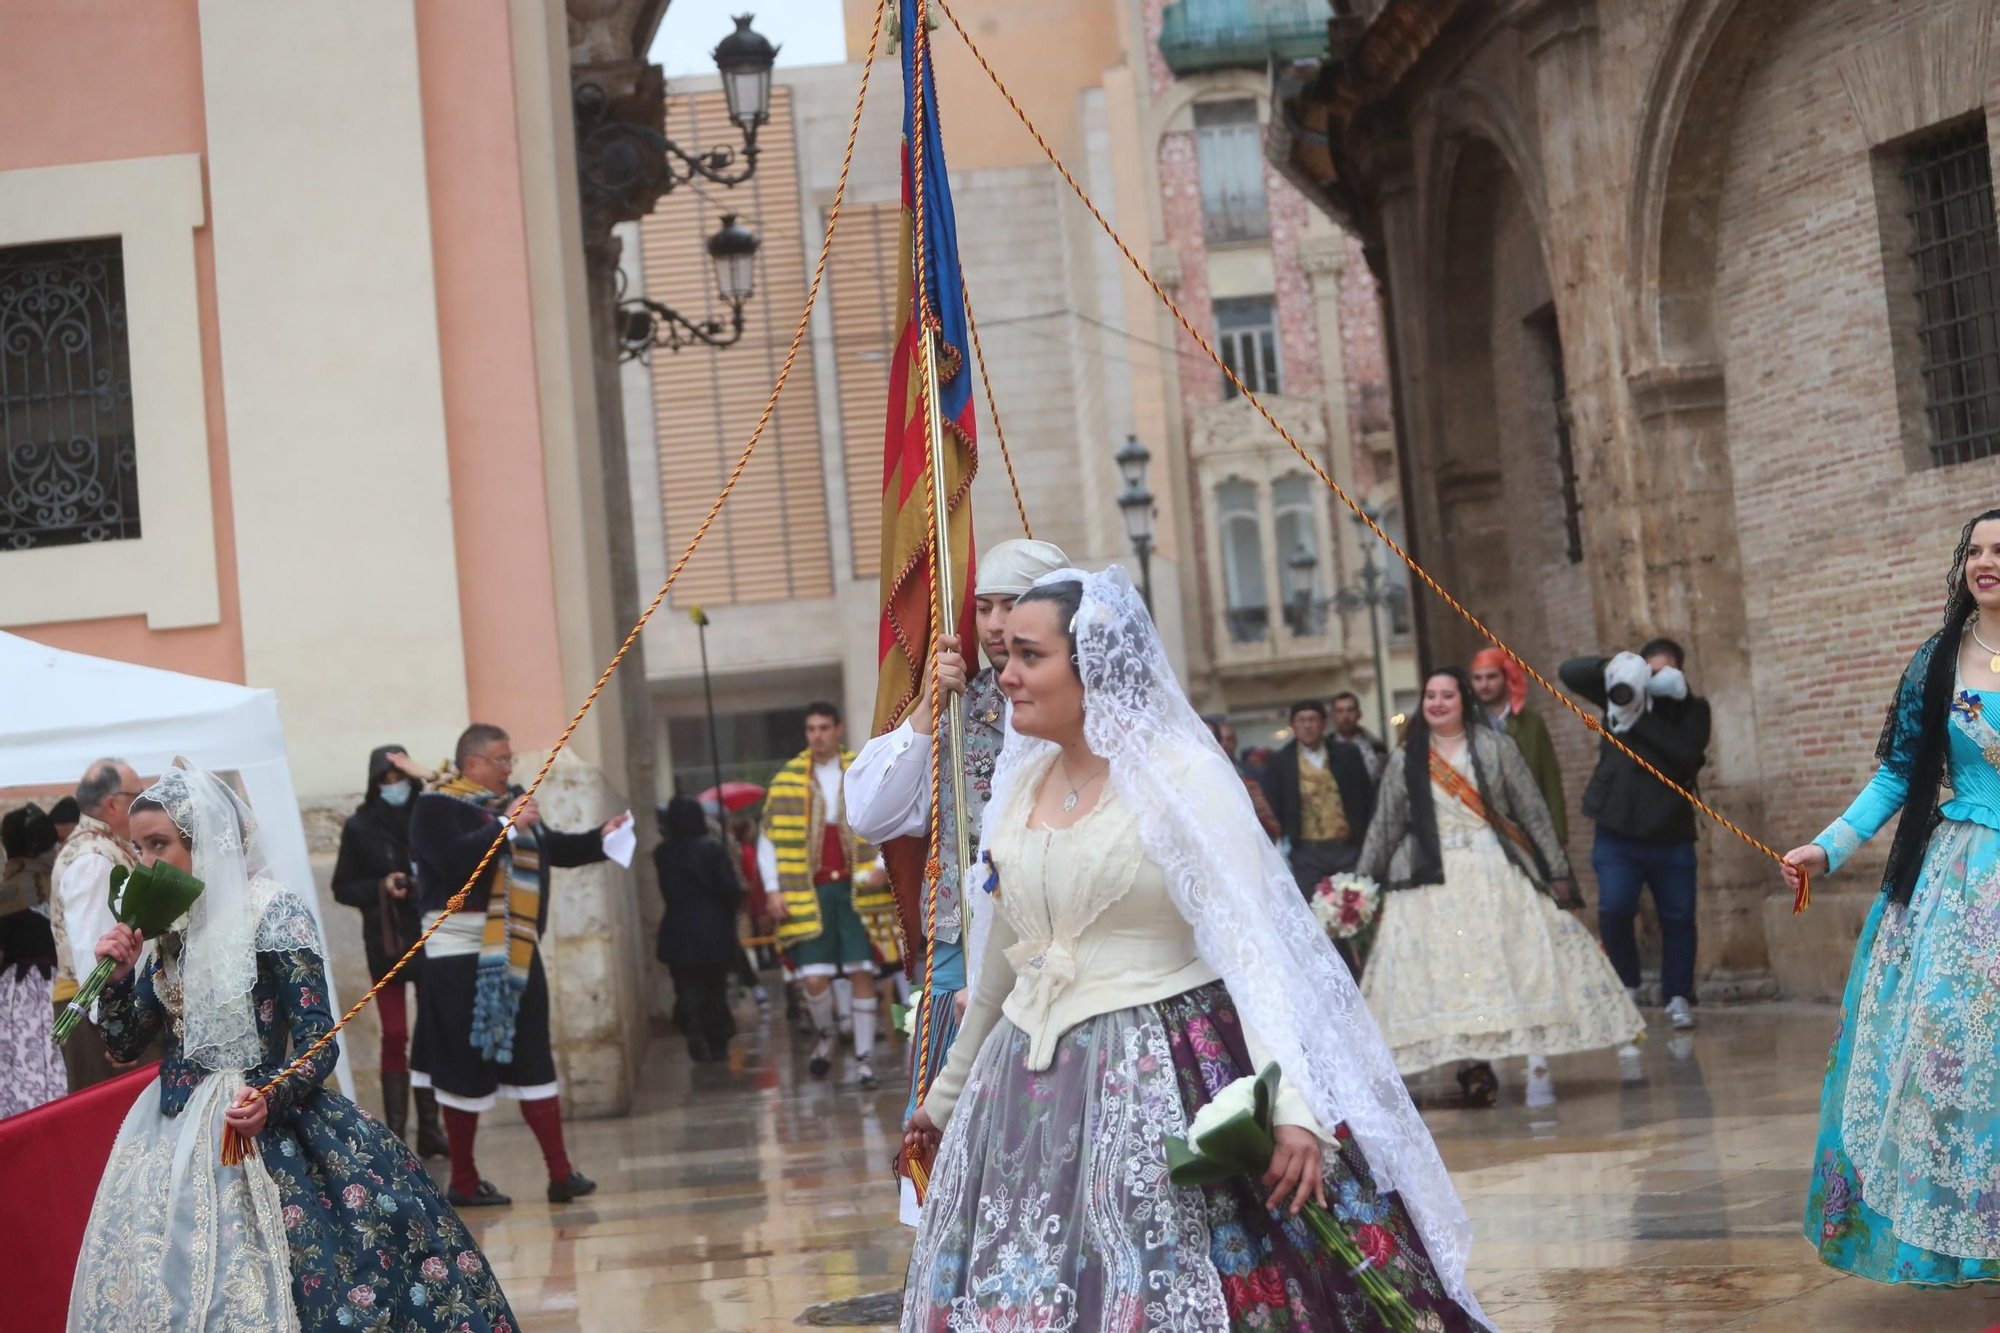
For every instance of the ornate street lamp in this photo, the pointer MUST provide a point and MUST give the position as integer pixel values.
(646, 324)
(745, 58)
(624, 164)
(1373, 591)
(1305, 607)
(1136, 508)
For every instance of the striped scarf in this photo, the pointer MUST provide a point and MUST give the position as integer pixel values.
(513, 909)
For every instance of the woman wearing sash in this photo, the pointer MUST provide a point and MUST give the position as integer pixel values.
(1475, 959)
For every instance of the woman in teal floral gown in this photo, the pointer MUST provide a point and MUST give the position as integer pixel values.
(331, 1223)
(1906, 1171)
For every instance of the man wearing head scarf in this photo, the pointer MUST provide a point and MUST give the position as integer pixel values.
(888, 788)
(1502, 688)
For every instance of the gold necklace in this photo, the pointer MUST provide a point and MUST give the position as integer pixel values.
(1994, 664)
(1069, 801)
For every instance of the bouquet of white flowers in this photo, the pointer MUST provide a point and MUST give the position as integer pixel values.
(1346, 904)
(1233, 1135)
(905, 1016)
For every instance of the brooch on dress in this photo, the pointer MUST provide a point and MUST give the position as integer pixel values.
(1968, 705)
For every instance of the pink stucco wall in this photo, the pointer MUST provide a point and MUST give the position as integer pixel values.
(141, 67)
(486, 342)
(96, 81)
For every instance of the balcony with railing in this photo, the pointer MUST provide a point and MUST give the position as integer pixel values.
(1201, 35)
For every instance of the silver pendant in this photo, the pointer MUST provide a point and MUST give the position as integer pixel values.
(1069, 802)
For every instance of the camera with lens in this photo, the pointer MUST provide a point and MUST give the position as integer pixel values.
(1621, 694)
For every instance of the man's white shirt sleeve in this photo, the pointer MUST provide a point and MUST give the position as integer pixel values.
(889, 786)
(86, 913)
(767, 862)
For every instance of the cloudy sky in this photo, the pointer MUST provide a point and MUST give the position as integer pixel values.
(807, 32)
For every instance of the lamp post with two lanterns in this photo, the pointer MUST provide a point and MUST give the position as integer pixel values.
(1137, 508)
(625, 164)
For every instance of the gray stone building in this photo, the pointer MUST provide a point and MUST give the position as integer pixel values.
(1691, 311)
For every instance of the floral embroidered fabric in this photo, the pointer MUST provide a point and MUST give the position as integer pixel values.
(1050, 1206)
(332, 1225)
(1908, 1155)
(1483, 966)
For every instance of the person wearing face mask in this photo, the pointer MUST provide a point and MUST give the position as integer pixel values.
(1645, 829)
(373, 874)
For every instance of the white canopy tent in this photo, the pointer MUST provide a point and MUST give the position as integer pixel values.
(59, 711)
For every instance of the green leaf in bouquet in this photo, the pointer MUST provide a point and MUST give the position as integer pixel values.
(1267, 1098)
(153, 897)
(1186, 1167)
(1239, 1143)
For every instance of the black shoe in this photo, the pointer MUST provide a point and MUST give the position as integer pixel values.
(487, 1197)
(864, 1074)
(821, 1063)
(575, 1187)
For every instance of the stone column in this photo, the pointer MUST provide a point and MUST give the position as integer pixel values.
(1660, 518)
(1396, 257)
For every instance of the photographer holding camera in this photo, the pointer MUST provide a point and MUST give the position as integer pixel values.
(1645, 830)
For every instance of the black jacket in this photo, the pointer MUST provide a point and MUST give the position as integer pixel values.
(448, 836)
(702, 892)
(375, 843)
(1350, 775)
(1672, 736)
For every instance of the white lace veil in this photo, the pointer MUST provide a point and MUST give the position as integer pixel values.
(242, 910)
(1250, 923)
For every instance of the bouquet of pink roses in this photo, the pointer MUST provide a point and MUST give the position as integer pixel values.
(1346, 904)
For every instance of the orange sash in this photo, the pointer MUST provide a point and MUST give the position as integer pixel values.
(1457, 786)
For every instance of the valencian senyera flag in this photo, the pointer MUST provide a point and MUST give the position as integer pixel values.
(906, 629)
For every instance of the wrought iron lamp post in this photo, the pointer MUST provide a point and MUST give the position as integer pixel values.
(625, 164)
(1372, 590)
(1136, 508)
(700, 618)
(646, 324)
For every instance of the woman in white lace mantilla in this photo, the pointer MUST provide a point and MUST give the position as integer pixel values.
(330, 1223)
(1475, 960)
(1139, 946)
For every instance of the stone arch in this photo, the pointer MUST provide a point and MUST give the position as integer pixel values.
(1174, 108)
(1678, 168)
(1492, 466)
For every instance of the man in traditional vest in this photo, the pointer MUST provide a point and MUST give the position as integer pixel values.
(889, 786)
(828, 888)
(1322, 797)
(79, 906)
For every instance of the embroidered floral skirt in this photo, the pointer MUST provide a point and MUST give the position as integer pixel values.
(1050, 1206)
(31, 1064)
(1483, 966)
(333, 1225)
(1906, 1171)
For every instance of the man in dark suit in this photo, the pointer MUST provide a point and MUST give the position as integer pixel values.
(1322, 797)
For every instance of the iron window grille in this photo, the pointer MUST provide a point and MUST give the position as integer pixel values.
(1954, 252)
(68, 461)
(1247, 334)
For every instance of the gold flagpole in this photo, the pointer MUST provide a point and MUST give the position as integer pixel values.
(949, 730)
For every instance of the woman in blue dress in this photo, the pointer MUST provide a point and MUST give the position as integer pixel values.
(1906, 1172)
(331, 1223)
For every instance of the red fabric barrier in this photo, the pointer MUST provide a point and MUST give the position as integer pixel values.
(51, 1159)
